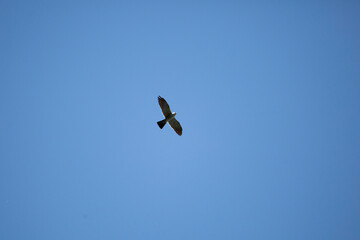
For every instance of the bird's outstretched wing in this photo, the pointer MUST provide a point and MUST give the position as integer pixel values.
(176, 126)
(164, 106)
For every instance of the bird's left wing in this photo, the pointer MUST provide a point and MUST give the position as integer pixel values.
(176, 126)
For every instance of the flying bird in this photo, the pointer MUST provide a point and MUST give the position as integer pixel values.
(169, 117)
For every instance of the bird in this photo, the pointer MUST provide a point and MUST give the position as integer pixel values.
(169, 117)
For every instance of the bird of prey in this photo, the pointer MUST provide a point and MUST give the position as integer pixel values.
(169, 117)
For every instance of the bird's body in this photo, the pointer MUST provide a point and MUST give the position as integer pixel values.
(169, 117)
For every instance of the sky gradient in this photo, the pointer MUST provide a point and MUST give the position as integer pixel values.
(268, 96)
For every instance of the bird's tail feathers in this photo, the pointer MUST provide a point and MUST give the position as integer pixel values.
(161, 123)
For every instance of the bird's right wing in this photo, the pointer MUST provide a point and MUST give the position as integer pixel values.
(164, 106)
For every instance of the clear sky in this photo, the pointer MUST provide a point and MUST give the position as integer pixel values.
(268, 95)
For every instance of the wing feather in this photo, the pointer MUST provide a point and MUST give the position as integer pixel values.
(176, 126)
(164, 106)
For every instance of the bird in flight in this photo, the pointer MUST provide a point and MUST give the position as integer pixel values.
(169, 117)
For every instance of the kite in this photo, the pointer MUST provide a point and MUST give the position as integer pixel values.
(169, 117)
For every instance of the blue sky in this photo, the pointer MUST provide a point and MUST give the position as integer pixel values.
(267, 94)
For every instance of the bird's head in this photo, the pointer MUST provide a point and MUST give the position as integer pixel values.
(174, 113)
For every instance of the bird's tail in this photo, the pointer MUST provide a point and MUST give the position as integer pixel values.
(161, 123)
